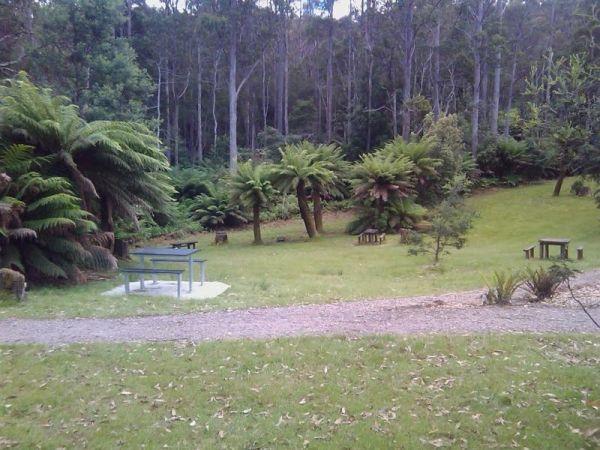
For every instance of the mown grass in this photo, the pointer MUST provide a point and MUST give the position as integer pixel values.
(333, 268)
(376, 392)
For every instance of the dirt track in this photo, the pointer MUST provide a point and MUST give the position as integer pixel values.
(450, 313)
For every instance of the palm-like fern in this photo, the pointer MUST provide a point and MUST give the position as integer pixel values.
(424, 165)
(66, 176)
(43, 230)
(117, 168)
(251, 188)
(384, 189)
(214, 210)
(380, 178)
(296, 170)
(332, 181)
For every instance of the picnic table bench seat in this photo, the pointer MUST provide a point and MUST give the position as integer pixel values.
(151, 271)
(371, 236)
(529, 252)
(187, 244)
(202, 263)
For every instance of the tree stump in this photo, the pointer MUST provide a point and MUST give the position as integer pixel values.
(13, 282)
(220, 237)
(121, 249)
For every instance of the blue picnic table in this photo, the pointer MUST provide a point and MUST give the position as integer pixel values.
(167, 253)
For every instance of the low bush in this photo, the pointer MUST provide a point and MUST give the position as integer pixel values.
(502, 287)
(512, 162)
(543, 283)
(579, 189)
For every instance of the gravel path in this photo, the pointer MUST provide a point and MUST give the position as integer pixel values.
(450, 313)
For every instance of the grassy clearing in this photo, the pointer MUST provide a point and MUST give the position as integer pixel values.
(378, 392)
(333, 268)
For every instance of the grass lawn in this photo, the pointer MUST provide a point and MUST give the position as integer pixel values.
(332, 268)
(375, 392)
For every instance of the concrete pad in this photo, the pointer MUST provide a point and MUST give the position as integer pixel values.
(210, 289)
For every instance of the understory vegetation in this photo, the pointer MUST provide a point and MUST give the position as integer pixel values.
(384, 392)
(333, 268)
(64, 182)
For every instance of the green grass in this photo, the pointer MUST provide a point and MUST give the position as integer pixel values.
(333, 268)
(376, 392)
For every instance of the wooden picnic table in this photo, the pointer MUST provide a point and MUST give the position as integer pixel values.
(371, 236)
(186, 244)
(545, 244)
(165, 252)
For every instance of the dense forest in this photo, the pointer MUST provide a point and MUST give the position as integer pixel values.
(121, 120)
(227, 80)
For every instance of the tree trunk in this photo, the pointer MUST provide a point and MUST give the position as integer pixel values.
(128, 6)
(199, 109)
(408, 44)
(436, 72)
(265, 93)
(349, 104)
(496, 95)
(280, 70)
(369, 49)
(280, 86)
(286, 85)
(107, 214)
(317, 208)
(214, 100)
(158, 91)
(476, 79)
(395, 113)
(175, 121)
(168, 109)
(369, 100)
(511, 87)
(558, 186)
(256, 223)
(233, 102)
(497, 73)
(329, 111)
(407, 68)
(483, 102)
(475, 110)
(304, 210)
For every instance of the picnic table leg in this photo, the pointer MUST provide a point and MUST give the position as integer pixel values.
(541, 251)
(191, 270)
(141, 274)
(154, 280)
(178, 286)
(126, 276)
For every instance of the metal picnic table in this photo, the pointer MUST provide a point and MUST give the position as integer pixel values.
(165, 252)
(545, 243)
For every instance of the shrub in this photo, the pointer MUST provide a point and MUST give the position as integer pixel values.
(502, 287)
(384, 193)
(446, 141)
(512, 161)
(214, 210)
(543, 283)
(579, 189)
(449, 225)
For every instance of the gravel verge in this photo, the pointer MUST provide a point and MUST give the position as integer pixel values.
(449, 314)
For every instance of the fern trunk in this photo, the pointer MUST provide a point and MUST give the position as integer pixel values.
(317, 209)
(304, 210)
(107, 214)
(256, 223)
(559, 183)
